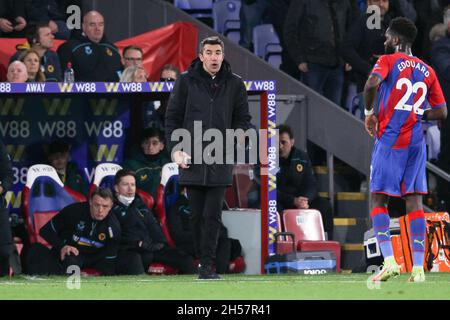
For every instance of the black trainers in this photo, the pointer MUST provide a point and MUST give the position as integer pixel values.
(207, 273)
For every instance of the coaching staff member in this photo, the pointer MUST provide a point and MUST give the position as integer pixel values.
(210, 93)
(84, 234)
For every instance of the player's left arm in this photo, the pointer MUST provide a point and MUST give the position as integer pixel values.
(436, 99)
(370, 91)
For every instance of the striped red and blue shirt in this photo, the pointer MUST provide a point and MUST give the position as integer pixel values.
(408, 87)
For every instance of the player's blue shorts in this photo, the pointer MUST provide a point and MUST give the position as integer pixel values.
(397, 172)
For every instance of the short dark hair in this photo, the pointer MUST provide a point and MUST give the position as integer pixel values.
(32, 31)
(104, 193)
(58, 146)
(150, 133)
(132, 47)
(171, 67)
(283, 128)
(404, 29)
(123, 173)
(211, 40)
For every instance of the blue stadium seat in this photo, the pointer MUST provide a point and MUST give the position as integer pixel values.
(226, 16)
(196, 8)
(266, 41)
(43, 196)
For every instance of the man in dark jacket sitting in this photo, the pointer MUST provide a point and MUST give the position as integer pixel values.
(143, 241)
(93, 57)
(296, 184)
(83, 234)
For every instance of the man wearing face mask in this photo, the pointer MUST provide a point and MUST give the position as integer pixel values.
(143, 241)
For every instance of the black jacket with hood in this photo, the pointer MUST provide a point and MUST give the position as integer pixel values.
(219, 103)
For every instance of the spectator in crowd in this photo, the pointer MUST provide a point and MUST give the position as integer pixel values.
(296, 183)
(40, 39)
(251, 14)
(440, 58)
(429, 13)
(6, 181)
(147, 160)
(211, 94)
(364, 43)
(169, 72)
(52, 13)
(12, 18)
(155, 111)
(134, 74)
(58, 157)
(93, 57)
(438, 31)
(17, 72)
(32, 61)
(83, 234)
(132, 56)
(2, 73)
(179, 217)
(143, 241)
(315, 43)
(277, 13)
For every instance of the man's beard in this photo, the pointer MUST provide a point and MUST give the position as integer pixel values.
(388, 49)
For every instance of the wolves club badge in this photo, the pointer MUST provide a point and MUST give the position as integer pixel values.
(101, 236)
(299, 168)
(109, 52)
(50, 68)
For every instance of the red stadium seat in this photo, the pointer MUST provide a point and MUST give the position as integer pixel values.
(43, 196)
(168, 174)
(307, 226)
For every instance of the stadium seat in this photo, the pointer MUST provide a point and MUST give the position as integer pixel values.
(104, 176)
(274, 60)
(43, 196)
(307, 226)
(226, 16)
(169, 176)
(196, 8)
(265, 41)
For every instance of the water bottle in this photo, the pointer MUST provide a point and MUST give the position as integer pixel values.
(69, 75)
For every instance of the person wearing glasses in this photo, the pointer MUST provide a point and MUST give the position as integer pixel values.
(132, 56)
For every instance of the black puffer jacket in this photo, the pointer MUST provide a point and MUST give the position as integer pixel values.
(138, 224)
(219, 103)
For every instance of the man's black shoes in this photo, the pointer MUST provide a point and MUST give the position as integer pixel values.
(207, 273)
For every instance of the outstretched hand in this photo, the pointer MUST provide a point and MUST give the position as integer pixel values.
(181, 158)
(371, 124)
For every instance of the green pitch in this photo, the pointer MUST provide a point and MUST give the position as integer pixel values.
(290, 287)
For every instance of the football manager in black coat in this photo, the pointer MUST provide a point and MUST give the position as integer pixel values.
(207, 96)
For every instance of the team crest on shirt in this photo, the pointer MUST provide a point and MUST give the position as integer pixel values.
(88, 50)
(101, 236)
(144, 177)
(80, 226)
(299, 168)
(109, 52)
(50, 68)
